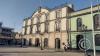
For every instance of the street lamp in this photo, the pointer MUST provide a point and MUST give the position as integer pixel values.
(85, 44)
(40, 35)
(94, 50)
(38, 29)
(41, 42)
(21, 40)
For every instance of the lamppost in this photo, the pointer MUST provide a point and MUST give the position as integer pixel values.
(94, 50)
(41, 41)
(39, 29)
(40, 35)
(85, 43)
(21, 40)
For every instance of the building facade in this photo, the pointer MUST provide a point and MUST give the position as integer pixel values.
(62, 25)
(82, 24)
(6, 35)
(47, 27)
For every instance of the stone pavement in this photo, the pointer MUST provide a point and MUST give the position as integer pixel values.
(23, 50)
(41, 54)
(37, 52)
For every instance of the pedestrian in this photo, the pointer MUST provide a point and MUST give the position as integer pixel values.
(68, 46)
(65, 47)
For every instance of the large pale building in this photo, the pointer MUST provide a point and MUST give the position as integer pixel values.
(52, 28)
(48, 27)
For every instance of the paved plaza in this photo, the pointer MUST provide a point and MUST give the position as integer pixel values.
(37, 52)
(41, 54)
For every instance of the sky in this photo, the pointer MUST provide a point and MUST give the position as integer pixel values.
(12, 12)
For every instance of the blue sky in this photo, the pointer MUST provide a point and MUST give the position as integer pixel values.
(12, 12)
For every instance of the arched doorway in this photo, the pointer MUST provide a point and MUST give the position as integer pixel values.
(78, 38)
(45, 42)
(37, 42)
(57, 43)
(30, 42)
(24, 41)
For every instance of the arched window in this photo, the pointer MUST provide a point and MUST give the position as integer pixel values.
(96, 21)
(79, 24)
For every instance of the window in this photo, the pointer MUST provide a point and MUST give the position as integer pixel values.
(46, 42)
(79, 24)
(58, 13)
(57, 23)
(26, 22)
(35, 29)
(38, 24)
(31, 27)
(97, 39)
(46, 24)
(25, 30)
(96, 21)
(38, 28)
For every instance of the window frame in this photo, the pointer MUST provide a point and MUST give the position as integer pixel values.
(96, 22)
(97, 39)
(79, 24)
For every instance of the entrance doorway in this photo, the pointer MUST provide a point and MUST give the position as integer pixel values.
(37, 42)
(30, 42)
(57, 43)
(78, 38)
(24, 40)
(45, 42)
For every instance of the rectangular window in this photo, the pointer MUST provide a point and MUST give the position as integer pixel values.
(31, 27)
(46, 26)
(25, 30)
(57, 23)
(46, 22)
(58, 13)
(79, 24)
(97, 40)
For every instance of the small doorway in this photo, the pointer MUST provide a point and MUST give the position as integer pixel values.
(78, 38)
(24, 41)
(30, 42)
(45, 42)
(37, 42)
(57, 43)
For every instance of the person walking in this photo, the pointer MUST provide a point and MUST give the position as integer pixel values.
(65, 48)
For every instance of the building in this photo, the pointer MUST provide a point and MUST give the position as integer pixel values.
(18, 39)
(6, 35)
(52, 28)
(82, 24)
(47, 27)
